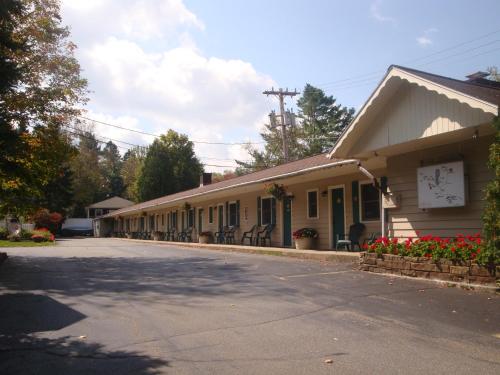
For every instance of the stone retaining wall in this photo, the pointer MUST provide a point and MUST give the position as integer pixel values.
(444, 269)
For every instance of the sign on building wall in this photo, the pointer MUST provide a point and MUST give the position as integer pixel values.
(441, 185)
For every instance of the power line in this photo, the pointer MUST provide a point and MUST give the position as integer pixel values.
(378, 72)
(80, 134)
(158, 135)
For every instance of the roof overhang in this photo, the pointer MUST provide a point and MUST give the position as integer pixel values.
(384, 92)
(245, 186)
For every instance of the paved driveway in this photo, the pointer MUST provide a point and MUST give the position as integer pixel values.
(104, 306)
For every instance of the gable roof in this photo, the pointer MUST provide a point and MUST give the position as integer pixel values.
(293, 168)
(476, 95)
(113, 203)
(487, 92)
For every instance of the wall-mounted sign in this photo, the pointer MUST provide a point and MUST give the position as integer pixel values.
(441, 185)
(391, 200)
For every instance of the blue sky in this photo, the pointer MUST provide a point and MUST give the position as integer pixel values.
(200, 66)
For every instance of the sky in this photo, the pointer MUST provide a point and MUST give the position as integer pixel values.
(200, 66)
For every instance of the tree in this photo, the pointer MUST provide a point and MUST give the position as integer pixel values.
(322, 120)
(130, 170)
(110, 165)
(170, 166)
(43, 95)
(89, 185)
(491, 213)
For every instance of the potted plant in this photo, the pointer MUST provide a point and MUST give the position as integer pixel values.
(205, 237)
(278, 191)
(157, 235)
(305, 238)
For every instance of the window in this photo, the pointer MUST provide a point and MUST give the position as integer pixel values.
(162, 220)
(210, 215)
(98, 212)
(191, 218)
(174, 219)
(267, 213)
(370, 202)
(151, 222)
(312, 204)
(233, 212)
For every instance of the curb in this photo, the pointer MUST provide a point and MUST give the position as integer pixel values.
(450, 284)
(325, 256)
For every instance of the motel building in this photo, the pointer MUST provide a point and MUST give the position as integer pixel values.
(412, 161)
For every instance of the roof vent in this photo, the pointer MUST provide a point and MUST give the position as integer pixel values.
(478, 76)
(205, 178)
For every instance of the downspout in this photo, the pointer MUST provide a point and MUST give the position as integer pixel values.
(382, 189)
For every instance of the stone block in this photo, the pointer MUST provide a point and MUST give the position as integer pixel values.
(422, 274)
(443, 267)
(428, 267)
(412, 273)
(476, 270)
(372, 261)
(459, 270)
(482, 279)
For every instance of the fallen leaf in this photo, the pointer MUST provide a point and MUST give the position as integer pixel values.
(335, 339)
(329, 361)
(454, 312)
(82, 337)
(422, 290)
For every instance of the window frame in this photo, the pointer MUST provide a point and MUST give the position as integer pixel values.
(360, 199)
(211, 215)
(229, 204)
(317, 204)
(262, 199)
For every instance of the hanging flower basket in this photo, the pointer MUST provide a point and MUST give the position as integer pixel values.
(278, 191)
(186, 206)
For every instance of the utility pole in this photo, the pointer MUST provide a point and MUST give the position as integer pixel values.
(280, 93)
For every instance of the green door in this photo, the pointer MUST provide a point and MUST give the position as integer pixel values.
(220, 215)
(200, 220)
(287, 222)
(337, 213)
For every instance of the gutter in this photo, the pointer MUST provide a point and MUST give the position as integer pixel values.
(284, 175)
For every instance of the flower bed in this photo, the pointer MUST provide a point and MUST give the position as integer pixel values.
(464, 258)
(42, 235)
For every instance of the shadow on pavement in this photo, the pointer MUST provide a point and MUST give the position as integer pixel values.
(22, 352)
(26, 354)
(119, 278)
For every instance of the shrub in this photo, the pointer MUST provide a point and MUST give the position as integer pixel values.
(3, 233)
(305, 233)
(42, 235)
(26, 234)
(461, 248)
(45, 219)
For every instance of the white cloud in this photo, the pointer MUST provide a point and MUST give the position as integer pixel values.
(424, 40)
(146, 72)
(376, 13)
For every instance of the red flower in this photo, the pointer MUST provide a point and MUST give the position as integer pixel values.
(365, 246)
(453, 249)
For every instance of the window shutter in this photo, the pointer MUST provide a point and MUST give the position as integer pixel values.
(258, 212)
(227, 213)
(273, 211)
(176, 219)
(194, 217)
(237, 213)
(355, 201)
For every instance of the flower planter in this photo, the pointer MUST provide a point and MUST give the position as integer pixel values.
(305, 243)
(129, 236)
(156, 236)
(204, 239)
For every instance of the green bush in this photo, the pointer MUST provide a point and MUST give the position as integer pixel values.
(3, 233)
(26, 234)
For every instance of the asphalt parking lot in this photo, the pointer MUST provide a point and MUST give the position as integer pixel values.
(108, 306)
